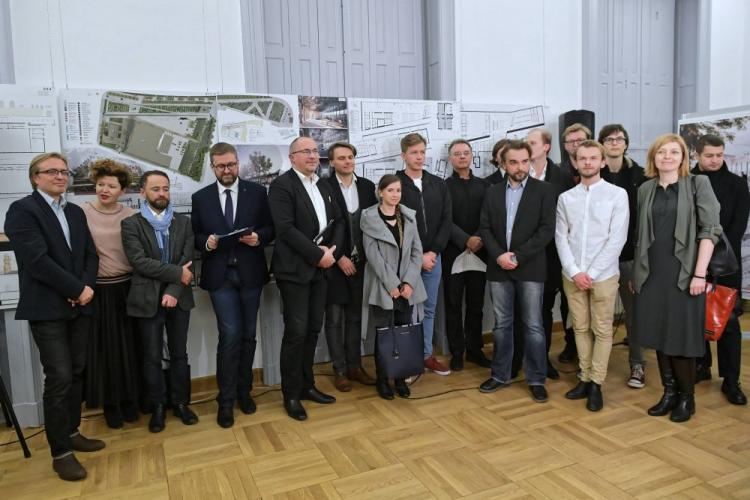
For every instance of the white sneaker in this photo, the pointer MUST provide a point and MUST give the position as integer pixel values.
(637, 378)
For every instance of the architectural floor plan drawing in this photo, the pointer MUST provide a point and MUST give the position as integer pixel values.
(485, 124)
(257, 119)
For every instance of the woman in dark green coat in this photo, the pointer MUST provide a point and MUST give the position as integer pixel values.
(678, 225)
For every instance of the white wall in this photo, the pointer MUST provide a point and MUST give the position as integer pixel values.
(520, 52)
(147, 45)
(729, 76)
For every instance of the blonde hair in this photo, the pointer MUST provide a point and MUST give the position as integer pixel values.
(651, 170)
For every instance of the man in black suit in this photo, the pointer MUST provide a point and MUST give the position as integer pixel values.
(159, 245)
(343, 327)
(307, 233)
(516, 225)
(57, 266)
(233, 272)
(467, 195)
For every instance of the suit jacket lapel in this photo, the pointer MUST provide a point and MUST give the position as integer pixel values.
(302, 194)
(175, 235)
(53, 218)
(526, 195)
(504, 212)
(242, 207)
(153, 251)
(215, 204)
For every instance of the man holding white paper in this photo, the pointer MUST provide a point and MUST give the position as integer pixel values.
(464, 248)
(232, 223)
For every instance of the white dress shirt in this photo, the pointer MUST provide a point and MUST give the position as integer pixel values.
(591, 229)
(235, 190)
(542, 175)
(351, 196)
(311, 186)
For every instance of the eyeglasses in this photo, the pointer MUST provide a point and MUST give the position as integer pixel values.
(53, 172)
(575, 142)
(226, 166)
(461, 153)
(614, 140)
(306, 152)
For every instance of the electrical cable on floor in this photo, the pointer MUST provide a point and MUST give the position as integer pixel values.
(25, 437)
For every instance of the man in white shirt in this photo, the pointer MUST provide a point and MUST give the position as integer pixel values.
(590, 231)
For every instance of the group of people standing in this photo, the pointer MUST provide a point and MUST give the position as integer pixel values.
(101, 285)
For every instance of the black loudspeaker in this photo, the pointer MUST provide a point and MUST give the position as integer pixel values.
(582, 116)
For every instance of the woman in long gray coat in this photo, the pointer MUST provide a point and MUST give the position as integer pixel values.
(393, 283)
(678, 225)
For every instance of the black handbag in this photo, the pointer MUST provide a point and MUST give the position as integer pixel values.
(723, 261)
(401, 349)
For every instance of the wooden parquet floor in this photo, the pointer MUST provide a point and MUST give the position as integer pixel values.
(458, 444)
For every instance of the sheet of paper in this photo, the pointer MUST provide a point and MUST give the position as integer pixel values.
(468, 261)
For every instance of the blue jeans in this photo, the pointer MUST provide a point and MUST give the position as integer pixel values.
(431, 280)
(530, 297)
(236, 309)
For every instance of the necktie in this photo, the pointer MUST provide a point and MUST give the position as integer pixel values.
(229, 209)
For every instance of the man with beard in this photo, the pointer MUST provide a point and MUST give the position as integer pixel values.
(732, 192)
(590, 231)
(159, 245)
(233, 272)
(516, 225)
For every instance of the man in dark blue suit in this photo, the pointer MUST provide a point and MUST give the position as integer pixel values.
(57, 265)
(234, 272)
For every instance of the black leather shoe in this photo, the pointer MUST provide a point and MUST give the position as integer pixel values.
(225, 416)
(247, 405)
(402, 389)
(69, 468)
(491, 385)
(568, 355)
(666, 404)
(479, 359)
(295, 409)
(384, 389)
(82, 443)
(314, 395)
(702, 373)
(734, 394)
(156, 424)
(457, 362)
(684, 409)
(595, 401)
(581, 391)
(538, 393)
(185, 414)
(552, 372)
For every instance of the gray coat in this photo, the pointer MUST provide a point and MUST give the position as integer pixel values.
(382, 252)
(153, 278)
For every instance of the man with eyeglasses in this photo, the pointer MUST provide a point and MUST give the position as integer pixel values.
(624, 172)
(308, 231)
(467, 195)
(57, 266)
(233, 272)
(573, 136)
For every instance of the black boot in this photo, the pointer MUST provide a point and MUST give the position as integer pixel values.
(384, 388)
(595, 400)
(684, 373)
(669, 399)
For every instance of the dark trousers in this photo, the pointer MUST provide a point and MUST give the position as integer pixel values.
(464, 331)
(236, 309)
(382, 318)
(176, 322)
(344, 328)
(62, 350)
(303, 307)
(728, 349)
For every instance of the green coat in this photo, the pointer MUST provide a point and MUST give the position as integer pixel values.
(686, 232)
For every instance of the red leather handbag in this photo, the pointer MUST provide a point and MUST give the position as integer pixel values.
(720, 302)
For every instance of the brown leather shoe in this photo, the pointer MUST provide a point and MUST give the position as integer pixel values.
(82, 443)
(361, 376)
(342, 383)
(69, 468)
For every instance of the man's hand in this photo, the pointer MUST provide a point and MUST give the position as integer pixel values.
(347, 266)
(212, 242)
(406, 291)
(395, 293)
(583, 281)
(428, 260)
(187, 274)
(86, 295)
(474, 243)
(507, 261)
(251, 240)
(168, 301)
(328, 259)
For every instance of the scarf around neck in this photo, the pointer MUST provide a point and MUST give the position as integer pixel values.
(160, 226)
